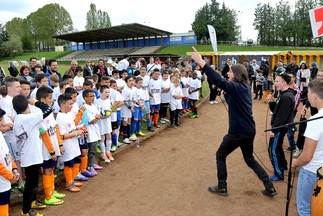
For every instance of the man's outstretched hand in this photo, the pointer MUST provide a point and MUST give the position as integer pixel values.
(198, 58)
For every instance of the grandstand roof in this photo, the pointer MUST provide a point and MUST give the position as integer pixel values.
(124, 31)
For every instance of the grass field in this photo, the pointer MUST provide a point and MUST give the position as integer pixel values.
(181, 50)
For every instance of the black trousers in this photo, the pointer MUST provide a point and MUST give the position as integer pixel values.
(31, 186)
(259, 91)
(163, 110)
(276, 153)
(230, 143)
(174, 116)
(300, 138)
(213, 92)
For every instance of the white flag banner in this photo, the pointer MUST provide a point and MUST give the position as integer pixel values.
(213, 38)
(316, 17)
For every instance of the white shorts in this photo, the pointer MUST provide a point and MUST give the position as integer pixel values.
(175, 106)
(105, 126)
(125, 113)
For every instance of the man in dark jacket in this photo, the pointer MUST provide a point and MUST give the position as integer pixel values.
(282, 110)
(242, 128)
(88, 69)
(264, 68)
(293, 67)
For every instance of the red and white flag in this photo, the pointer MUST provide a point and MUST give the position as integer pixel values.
(316, 16)
(213, 38)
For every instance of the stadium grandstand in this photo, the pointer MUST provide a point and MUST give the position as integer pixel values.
(115, 41)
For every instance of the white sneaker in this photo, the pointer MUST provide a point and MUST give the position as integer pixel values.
(215, 102)
(131, 138)
(120, 144)
(113, 148)
(162, 120)
(211, 102)
(126, 141)
(297, 152)
(105, 158)
(79, 176)
(166, 120)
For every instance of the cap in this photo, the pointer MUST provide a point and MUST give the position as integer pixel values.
(263, 61)
(286, 77)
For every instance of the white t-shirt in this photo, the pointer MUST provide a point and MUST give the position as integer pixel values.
(127, 95)
(150, 68)
(155, 91)
(105, 123)
(93, 129)
(56, 93)
(56, 107)
(80, 100)
(145, 86)
(113, 99)
(314, 130)
(65, 122)
(5, 159)
(78, 81)
(199, 74)
(194, 84)
(175, 103)
(123, 64)
(26, 130)
(8, 107)
(49, 124)
(33, 93)
(139, 96)
(10, 112)
(185, 82)
(121, 83)
(165, 96)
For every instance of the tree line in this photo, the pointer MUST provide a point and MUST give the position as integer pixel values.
(36, 30)
(286, 25)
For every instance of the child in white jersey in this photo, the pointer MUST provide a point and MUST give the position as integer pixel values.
(185, 86)
(195, 85)
(175, 103)
(139, 106)
(165, 97)
(78, 80)
(127, 109)
(104, 106)
(26, 129)
(154, 86)
(94, 136)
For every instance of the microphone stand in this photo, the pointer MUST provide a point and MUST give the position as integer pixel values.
(289, 186)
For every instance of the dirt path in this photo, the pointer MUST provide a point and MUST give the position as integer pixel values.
(170, 173)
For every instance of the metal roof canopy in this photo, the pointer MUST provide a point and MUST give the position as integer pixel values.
(124, 31)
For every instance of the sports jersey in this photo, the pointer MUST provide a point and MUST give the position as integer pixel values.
(80, 100)
(65, 122)
(104, 107)
(194, 84)
(145, 86)
(175, 103)
(154, 87)
(56, 107)
(78, 81)
(93, 129)
(113, 99)
(139, 96)
(26, 130)
(8, 107)
(56, 93)
(127, 95)
(49, 124)
(121, 83)
(151, 67)
(185, 82)
(7, 163)
(33, 93)
(165, 96)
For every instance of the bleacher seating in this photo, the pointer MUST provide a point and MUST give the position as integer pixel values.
(105, 53)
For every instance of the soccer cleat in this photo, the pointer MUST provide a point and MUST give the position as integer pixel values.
(80, 177)
(31, 213)
(58, 195)
(151, 129)
(215, 102)
(77, 184)
(120, 144)
(178, 124)
(211, 102)
(126, 141)
(21, 189)
(196, 116)
(72, 188)
(37, 205)
(114, 148)
(92, 170)
(105, 158)
(156, 125)
(167, 116)
(87, 174)
(133, 137)
(191, 114)
(166, 120)
(141, 133)
(53, 201)
(97, 166)
(109, 156)
(172, 126)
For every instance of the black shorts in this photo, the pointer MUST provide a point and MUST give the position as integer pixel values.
(114, 125)
(5, 197)
(76, 160)
(49, 164)
(83, 143)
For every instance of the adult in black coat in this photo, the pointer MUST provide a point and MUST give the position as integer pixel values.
(100, 70)
(88, 69)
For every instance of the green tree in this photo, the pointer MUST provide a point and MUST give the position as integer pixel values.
(221, 18)
(4, 36)
(96, 19)
(16, 27)
(13, 47)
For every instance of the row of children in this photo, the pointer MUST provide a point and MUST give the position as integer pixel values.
(69, 120)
